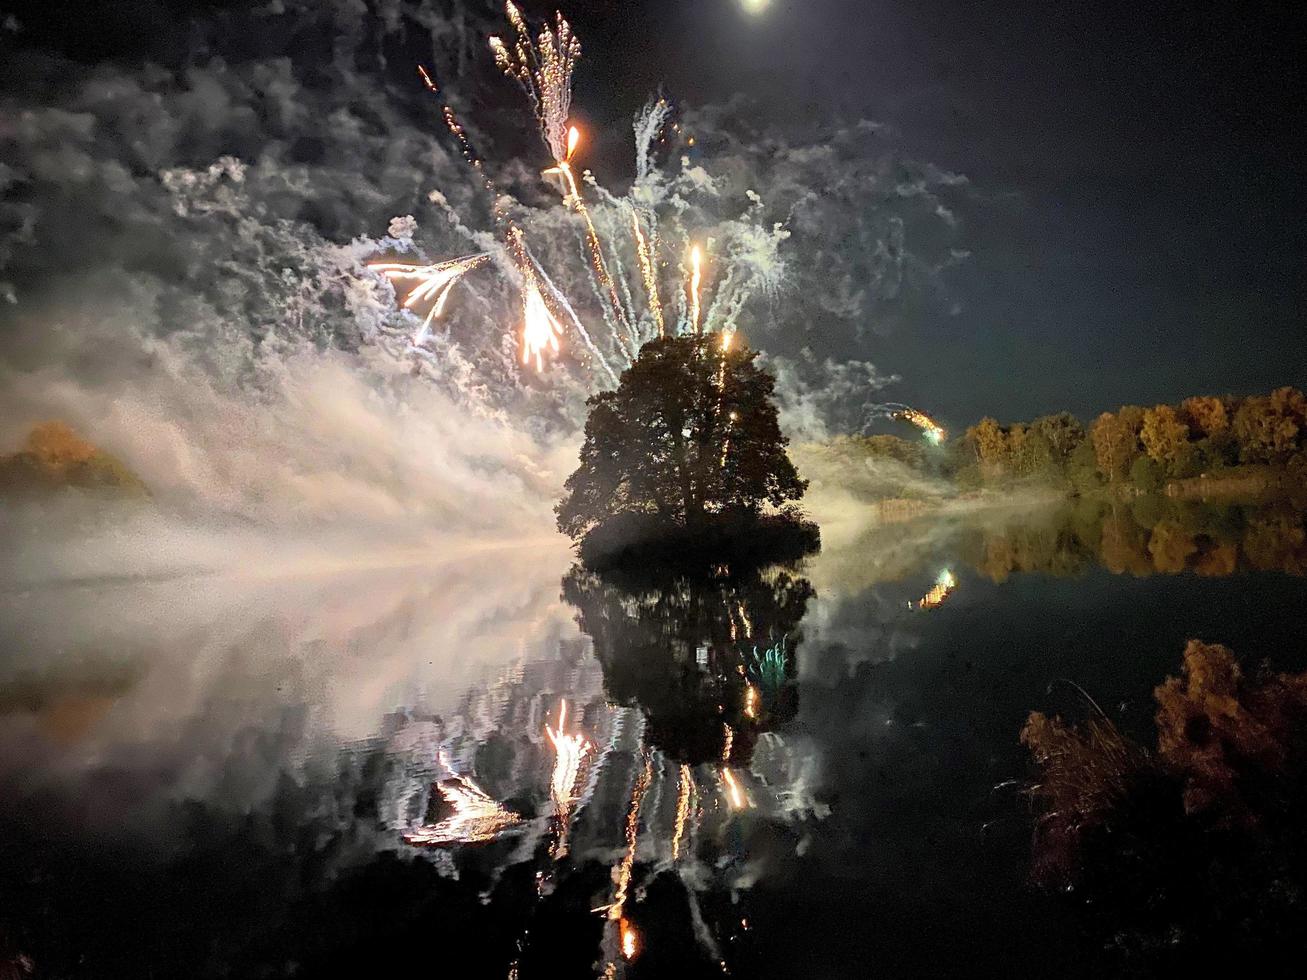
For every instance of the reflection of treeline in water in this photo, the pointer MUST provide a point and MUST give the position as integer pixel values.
(1146, 535)
(1227, 444)
(1195, 848)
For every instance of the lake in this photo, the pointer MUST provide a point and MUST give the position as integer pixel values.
(489, 762)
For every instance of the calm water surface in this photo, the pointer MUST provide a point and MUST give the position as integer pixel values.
(499, 765)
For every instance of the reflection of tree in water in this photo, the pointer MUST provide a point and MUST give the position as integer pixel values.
(681, 645)
(1145, 536)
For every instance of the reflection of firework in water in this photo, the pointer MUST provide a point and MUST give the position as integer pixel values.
(476, 816)
(941, 590)
(630, 940)
(768, 667)
(735, 794)
(570, 751)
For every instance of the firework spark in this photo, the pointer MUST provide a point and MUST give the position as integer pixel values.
(436, 282)
(540, 328)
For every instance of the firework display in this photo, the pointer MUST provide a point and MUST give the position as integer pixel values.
(614, 233)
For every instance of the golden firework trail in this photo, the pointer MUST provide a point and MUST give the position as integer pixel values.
(436, 283)
(459, 133)
(644, 250)
(750, 701)
(594, 248)
(542, 68)
(684, 796)
(932, 430)
(696, 280)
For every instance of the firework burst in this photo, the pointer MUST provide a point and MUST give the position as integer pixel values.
(542, 68)
(435, 282)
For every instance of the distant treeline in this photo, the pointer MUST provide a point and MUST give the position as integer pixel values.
(1143, 448)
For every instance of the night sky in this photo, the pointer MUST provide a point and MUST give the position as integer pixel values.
(1137, 224)
(1133, 210)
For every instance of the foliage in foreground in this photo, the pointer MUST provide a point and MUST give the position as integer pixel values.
(1197, 844)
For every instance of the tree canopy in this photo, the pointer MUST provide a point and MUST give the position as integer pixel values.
(690, 431)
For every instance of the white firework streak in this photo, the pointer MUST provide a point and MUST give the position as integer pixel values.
(649, 122)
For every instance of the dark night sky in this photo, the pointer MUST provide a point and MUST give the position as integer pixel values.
(1137, 227)
(1136, 202)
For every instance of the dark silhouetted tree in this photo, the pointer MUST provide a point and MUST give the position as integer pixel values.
(690, 431)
